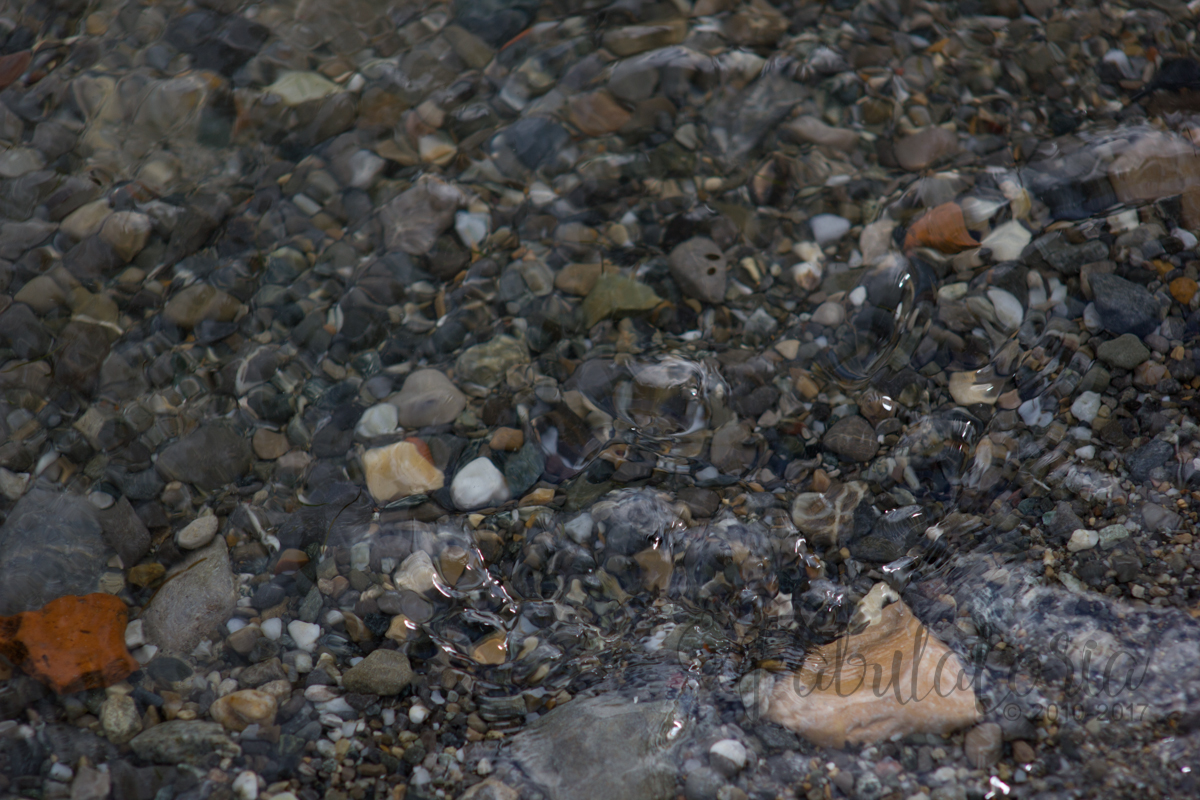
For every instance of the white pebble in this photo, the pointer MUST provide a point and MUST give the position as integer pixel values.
(135, 636)
(472, 228)
(304, 634)
(730, 749)
(378, 420)
(858, 296)
(272, 628)
(829, 314)
(235, 624)
(418, 714)
(1086, 406)
(479, 485)
(1085, 453)
(1186, 237)
(420, 776)
(1083, 539)
(484, 767)
(360, 556)
(333, 617)
(303, 663)
(828, 228)
(807, 275)
(245, 786)
(1091, 318)
(580, 529)
(1008, 308)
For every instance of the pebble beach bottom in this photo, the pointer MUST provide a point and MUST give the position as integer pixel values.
(599, 400)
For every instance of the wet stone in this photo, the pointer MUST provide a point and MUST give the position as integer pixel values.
(1124, 352)
(487, 364)
(182, 742)
(428, 398)
(211, 457)
(383, 672)
(1144, 460)
(851, 438)
(198, 595)
(699, 267)
(1124, 306)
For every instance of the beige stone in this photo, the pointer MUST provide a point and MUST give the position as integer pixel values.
(399, 470)
(126, 233)
(1156, 165)
(243, 708)
(891, 679)
(86, 220)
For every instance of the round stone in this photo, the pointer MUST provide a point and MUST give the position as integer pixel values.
(383, 672)
(239, 710)
(852, 438)
(197, 533)
(478, 485)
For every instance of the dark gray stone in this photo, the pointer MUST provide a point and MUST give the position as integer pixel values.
(1124, 306)
(210, 457)
(1145, 459)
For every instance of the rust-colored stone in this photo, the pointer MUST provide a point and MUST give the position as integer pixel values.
(13, 66)
(942, 228)
(1183, 289)
(70, 644)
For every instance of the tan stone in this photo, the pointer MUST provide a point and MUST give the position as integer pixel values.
(126, 233)
(891, 679)
(507, 439)
(399, 470)
(1156, 165)
(577, 279)
(243, 708)
(597, 113)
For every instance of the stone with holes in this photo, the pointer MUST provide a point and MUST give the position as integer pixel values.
(699, 268)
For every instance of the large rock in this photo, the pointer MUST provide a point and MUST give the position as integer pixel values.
(699, 268)
(892, 679)
(52, 544)
(210, 457)
(199, 593)
(183, 742)
(416, 218)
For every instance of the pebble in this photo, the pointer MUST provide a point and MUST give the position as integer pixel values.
(616, 293)
(984, 745)
(119, 718)
(1083, 539)
(183, 742)
(416, 573)
(1086, 406)
(198, 594)
(400, 470)
(240, 709)
(925, 148)
(1008, 308)
(1124, 352)
(728, 756)
(427, 399)
(852, 438)
(378, 420)
(382, 672)
(699, 268)
(488, 363)
(829, 314)
(304, 634)
(479, 485)
(197, 533)
(828, 228)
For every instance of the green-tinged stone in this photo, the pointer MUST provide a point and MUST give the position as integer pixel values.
(524, 468)
(616, 293)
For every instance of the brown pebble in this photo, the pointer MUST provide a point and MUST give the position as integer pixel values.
(507, 439)
(1022, 752)
(983, 745)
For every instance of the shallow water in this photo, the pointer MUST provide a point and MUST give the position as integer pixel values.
(745, 311)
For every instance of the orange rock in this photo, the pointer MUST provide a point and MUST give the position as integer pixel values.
(70, 644)
(942, 228)
(597, 113)
(1183, 290)
(891, 679)
(507, 439)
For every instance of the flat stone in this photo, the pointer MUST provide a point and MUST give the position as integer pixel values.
(210, 457)
(810, 129)
(295, 88)
(1082, 539)
(126, 232)
(984, 745)
(383, 672)
(832, 702)
(120, 719)
(699, 268)
(428, 398)
(852, 438)
(200, 302)
(615, 294)
(1124, 352)
(183, 742)
(925, 148)
(417, 217)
